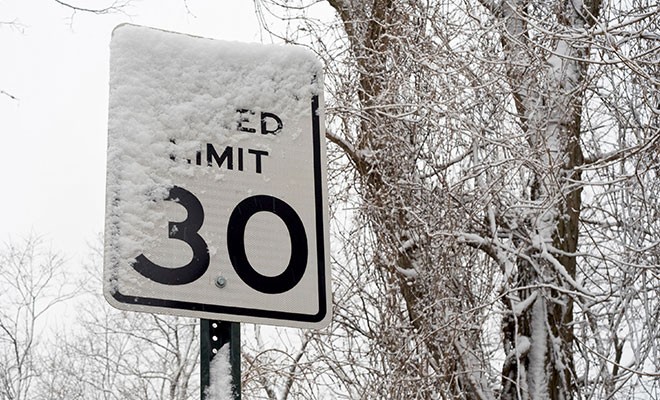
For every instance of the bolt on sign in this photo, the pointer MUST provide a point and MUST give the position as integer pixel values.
(216, 201)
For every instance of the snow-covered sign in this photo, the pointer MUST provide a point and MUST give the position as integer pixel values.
(216, 196)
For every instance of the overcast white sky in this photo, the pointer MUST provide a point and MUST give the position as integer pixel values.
(53, 150)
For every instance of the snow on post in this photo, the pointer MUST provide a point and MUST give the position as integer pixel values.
(220, 385)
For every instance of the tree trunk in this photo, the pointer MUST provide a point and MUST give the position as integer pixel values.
(548, 98)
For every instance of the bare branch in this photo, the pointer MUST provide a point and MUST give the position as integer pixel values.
(115, 6)
(11, 96)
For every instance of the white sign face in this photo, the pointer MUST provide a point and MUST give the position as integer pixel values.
(216, 195)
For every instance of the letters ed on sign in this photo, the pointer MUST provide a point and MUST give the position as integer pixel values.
(216, 173)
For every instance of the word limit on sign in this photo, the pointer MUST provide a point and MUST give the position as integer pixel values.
(227, 157)
(187, 231)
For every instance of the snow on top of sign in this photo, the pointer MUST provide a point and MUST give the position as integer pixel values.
(170, 92)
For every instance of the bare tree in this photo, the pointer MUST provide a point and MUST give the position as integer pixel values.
(32, 281)
(502, 158)
(113, 354)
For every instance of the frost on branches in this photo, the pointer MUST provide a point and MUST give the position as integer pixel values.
(494, 177)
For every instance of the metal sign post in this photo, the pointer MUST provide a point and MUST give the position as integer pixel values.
(214, 335)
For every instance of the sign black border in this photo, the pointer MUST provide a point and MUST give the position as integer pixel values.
(320, 251)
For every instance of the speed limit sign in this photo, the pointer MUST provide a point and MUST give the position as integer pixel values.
(216, 201)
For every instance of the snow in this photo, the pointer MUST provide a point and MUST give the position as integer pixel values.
(537, 351)
(174, 95)
(408, 273)
(522, 345)
(522, 306)
(220, 377)
(464, 237)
